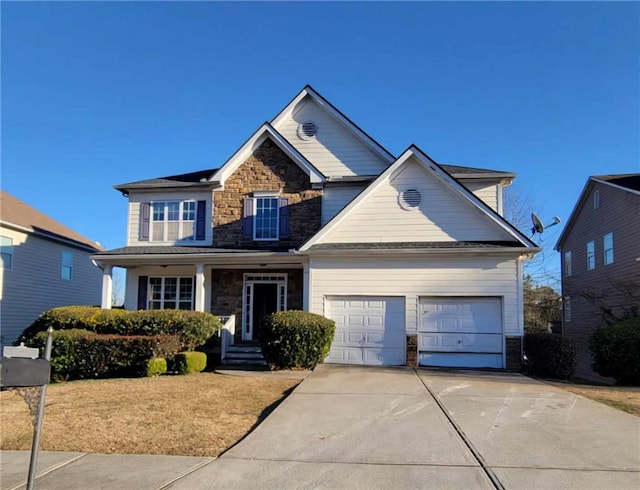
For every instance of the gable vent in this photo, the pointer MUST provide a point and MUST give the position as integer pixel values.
(307, 130)
(410, 199)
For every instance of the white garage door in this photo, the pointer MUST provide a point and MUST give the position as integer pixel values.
(460, 332)
(369, 330)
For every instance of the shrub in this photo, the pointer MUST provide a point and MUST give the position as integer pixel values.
(296, 339)
(549, 355)
(79, 354)
(193, 327)
(616, 351)
(156, 366)
(189, 362)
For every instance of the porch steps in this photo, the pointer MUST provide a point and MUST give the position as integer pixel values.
(244, 355)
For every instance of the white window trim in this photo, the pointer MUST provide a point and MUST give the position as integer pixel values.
(265, 195)
(7, 250)
(591, 254)
(605, 249)
(162, 292)
(180, 221)
(248, 280)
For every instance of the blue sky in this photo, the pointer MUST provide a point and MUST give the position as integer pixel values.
(97, 94)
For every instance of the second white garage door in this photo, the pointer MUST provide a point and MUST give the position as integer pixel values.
(369, 330)
(460, 332)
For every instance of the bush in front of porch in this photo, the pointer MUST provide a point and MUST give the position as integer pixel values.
(296, 339)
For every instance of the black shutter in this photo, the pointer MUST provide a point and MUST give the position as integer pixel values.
(283, 203)
(143, 282)
(143, 232)
(247, 220)
(200, 220)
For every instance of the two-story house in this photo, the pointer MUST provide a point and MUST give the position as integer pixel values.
(44, 264)
(600, 258)
(412, 259)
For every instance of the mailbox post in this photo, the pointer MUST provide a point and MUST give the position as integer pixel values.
(23, 372)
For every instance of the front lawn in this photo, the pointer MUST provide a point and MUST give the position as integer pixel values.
(620, 397)
(196, 415)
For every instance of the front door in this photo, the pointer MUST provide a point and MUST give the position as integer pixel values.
(265, 302)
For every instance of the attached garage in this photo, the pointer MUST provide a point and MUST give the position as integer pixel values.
(370, 330)
(460, 332)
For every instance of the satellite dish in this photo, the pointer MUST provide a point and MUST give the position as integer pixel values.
(538, 226)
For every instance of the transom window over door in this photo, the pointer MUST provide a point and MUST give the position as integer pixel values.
(173, 220)
(170, 293)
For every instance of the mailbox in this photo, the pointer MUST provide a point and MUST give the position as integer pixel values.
(19, 372)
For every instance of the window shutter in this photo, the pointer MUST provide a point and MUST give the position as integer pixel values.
(143, 282)
(143, 233)
(247, 220)
(283, 203)
(200, 219)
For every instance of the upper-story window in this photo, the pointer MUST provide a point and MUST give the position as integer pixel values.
(66, 270)
(567, 309)
(596, 199)
(172, 221)
(567, 264)
(591, 256)
(607, 242)
(6, 251)
(266, 217)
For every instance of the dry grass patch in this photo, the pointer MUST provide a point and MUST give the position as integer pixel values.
(197, 415)
(620, 397)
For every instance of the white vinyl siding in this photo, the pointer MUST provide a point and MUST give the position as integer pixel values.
(335, 198)
(487, 191)
(136, 198)
(414, 278)
(34, 284)
(335, 151)
(443, 214)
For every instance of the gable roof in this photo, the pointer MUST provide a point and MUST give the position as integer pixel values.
(263, 132)
(444, 177)
(15, 212)
(309, 91)
(624, 182)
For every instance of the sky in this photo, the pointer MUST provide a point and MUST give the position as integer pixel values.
(96, 94)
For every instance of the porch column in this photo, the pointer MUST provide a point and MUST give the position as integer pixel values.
(107, 287)
(306, 290)
(199, 288)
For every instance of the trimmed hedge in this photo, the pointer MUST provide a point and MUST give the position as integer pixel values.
(296, 339)
(156, 366)
(80, 354)
(616, 351)
(193, 327)
(549, 355)
(189, 362)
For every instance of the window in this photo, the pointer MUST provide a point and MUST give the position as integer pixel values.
(591, 256)
(170, 293)
(607, 242)
(567, 309)
(66, 270)
(265, 224)
(6, 249)
(172, 220)
(596, 199)
(567, 264)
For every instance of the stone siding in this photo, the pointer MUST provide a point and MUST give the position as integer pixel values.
(267, 169)
(412, 350)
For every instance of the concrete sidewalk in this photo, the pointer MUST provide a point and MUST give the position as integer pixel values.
(358, 427)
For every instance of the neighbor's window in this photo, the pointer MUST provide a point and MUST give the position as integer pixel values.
(66, 271)
(265, 224)
(567, 309)
(596, 199)
(172, 220)
(567, 264)
(170, 293)
(607, 242)
(591, 255)
(6, 249)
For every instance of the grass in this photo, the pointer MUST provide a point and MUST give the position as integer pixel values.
(623, 398)
(196, 415)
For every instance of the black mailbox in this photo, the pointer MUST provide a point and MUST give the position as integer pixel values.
(18, 372)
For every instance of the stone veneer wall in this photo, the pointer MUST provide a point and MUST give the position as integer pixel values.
(267, 169)
(514, 353)
(226, 292)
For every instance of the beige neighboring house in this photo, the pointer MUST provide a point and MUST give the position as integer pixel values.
(44, 264)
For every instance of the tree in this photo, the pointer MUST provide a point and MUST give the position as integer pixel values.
(542, 305)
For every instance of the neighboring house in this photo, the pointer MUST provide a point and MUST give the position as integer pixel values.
(411, 259)
(44, 265)
(600, 257)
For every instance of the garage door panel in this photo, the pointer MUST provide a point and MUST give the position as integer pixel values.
(442, 359)
(461, 342)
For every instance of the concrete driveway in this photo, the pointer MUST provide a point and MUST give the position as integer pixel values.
(390, 428)
(360, 427)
